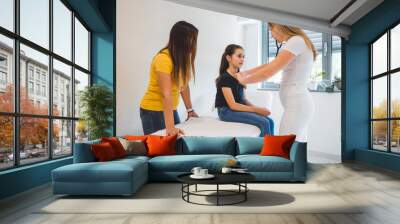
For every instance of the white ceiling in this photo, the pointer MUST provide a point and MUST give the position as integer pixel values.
(314, 15)
(320, 9)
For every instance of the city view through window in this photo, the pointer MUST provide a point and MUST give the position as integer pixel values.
(40, 82)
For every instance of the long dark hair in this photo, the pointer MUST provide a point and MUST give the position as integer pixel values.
(229, 50)
(182, 46)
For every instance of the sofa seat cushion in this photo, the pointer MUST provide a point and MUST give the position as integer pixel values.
(133, 158)
(132, 161)
(257, 163)
(185, 163)
(112, 171)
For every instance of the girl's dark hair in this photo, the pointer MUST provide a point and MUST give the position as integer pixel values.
(182, 46)
(229, 50)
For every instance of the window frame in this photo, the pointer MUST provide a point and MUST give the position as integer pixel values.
(3, 70)
(3, 74)
(388, 74)
(16, 114)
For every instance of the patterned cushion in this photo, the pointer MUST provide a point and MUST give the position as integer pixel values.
(134, 147)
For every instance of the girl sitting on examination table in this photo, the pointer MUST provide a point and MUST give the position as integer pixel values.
(230, 99)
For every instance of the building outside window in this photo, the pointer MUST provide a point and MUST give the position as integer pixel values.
(44, 77)
(38, 89)
(3, 72)
(3, 78)
(3, 60)
(30, 87)
(37, 75)
(30, 72)
(43, 90)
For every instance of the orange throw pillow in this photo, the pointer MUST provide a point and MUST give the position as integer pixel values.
(116, 145)
(161, 145)
(277, 145)
(136, 137)
(103, 152)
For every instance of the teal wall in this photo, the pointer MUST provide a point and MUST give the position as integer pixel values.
(355, 98)
(103, 59)
(92, 13)
(24, 178)
(103, 64)
(380, 159)
(99, 16)
(103, 52)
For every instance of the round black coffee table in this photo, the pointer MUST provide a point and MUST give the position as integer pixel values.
(238, 179)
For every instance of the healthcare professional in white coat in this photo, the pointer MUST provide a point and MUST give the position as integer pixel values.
(295, 58)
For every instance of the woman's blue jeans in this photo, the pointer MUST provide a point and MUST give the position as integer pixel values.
(153, 121)
(265, 124)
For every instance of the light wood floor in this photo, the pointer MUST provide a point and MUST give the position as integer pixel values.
(378, 188)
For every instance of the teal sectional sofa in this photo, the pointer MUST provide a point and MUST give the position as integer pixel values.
(125, 176)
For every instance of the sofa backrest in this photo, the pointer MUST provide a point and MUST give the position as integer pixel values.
(83, 152)
(189, 145)
(249, 145)
(192, 145)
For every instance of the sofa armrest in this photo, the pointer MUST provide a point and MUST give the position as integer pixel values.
(298, 155)
(83, 152)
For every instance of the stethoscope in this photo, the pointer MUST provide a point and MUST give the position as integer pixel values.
(278, 46)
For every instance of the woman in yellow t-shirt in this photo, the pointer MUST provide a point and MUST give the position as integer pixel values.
(170, 72)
